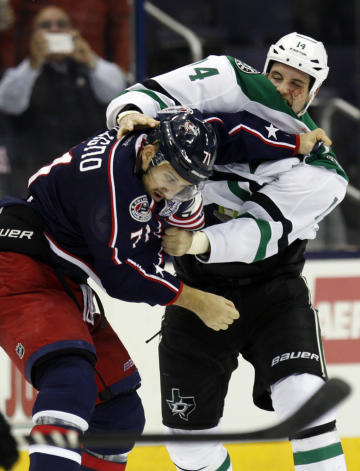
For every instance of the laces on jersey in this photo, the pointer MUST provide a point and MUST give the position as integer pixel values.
(89, 310)
(154, 336)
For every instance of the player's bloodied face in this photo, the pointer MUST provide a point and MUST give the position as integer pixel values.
(163, 182)
(292, 84)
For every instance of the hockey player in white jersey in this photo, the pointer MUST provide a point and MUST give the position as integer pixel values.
(258, 219)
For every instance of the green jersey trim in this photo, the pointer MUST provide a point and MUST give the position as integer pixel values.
(237, 191)
(265, 236)
(327, 161)
(258, 87)
(151, 94)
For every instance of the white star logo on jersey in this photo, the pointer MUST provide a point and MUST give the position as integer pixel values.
(159, 270)
(272, 130)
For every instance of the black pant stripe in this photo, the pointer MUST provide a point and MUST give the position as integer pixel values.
(270, 207)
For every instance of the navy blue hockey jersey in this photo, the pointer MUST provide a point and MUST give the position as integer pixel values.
(98, 217)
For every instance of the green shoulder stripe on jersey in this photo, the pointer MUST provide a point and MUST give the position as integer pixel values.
(258, 88)
(265, 236)
(327, 161)
(151, 94)
(320, 454)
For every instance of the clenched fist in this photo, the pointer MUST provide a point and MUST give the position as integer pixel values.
(309, 139)
(176, 242)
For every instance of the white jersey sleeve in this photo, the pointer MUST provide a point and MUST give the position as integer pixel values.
(214, 85)
(263, 222)
(208, 85)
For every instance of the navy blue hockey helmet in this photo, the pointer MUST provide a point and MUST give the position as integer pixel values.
(187, 142)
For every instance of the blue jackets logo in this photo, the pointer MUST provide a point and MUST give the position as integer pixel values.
(170, 207)
(139, 209)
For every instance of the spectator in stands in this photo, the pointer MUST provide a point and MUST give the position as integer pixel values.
(105, 24)
(56, 97)
(6, 21)
(6, 15)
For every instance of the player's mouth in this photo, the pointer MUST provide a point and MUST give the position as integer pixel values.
(157, 195)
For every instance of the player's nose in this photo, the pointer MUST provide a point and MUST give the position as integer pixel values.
(168, 194)
(282, 88)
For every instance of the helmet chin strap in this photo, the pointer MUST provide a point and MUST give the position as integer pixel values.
(307, 104)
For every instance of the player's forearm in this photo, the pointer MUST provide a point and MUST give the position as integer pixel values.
(190, 298)
(139, 100)
(215, 311)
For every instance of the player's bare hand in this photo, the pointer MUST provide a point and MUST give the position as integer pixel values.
(218, 313)
(309, 139)
(215, 311)
(176, 242)
(82, 51)
(133, 121)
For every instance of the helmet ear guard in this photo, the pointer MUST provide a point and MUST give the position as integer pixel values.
(304, 54)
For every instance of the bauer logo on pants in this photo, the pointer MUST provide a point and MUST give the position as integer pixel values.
(181, 405)
(294, 356)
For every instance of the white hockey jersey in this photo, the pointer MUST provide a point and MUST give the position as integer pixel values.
(271, 205)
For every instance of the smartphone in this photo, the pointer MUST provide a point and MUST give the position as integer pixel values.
(60, 43)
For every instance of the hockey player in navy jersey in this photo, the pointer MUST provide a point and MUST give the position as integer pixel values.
(100, 211)
(258, 217)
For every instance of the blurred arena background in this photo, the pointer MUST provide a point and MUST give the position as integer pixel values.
(147, 38)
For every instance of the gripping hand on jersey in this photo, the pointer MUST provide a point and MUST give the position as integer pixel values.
(309, 139)
(130, 120)
(177, 242)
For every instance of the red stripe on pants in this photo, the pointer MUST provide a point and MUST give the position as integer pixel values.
(98, 464)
